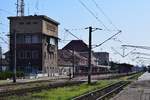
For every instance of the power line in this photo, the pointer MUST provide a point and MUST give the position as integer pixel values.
(108, 39)
(4, 40)
(6, 11)
(76, 29)
(93, 15)
(72, 34)
(4, 24)
(100, 9)
(37, 7)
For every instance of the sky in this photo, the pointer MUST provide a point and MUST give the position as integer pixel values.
(132, 17)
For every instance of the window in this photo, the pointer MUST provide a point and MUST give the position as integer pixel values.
(21, 23)
(20, 54)
(28, 54)
(20, 39)
(35, 54)
(35, 22)
(35, 39)
(28, 39)
(52, 41)
(28, 23)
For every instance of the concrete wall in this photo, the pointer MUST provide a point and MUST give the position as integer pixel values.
(49, 59)
(49, 29)
(26, 25)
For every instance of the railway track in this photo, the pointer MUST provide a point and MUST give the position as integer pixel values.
(23, 91)
(36, 86)
(102, 94)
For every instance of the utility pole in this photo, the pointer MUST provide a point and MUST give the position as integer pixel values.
(14, 56)
(73, 63)
(1, 58)
(89, 59)
(90, 52)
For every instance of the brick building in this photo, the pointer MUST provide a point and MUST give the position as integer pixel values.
(36, 43)
(81, 48)
(71, 61)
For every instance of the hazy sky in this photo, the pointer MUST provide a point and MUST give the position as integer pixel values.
(130, 16)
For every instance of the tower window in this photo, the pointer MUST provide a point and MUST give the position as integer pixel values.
(28, 39)
(28, 54)
(35, 39)
(35, 22)
(21, 23)
(52, 41)
(21, 55)
(28, 23)
(35, 54)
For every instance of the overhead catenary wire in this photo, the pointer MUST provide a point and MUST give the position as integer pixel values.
(107, 39)
(94, 15)
(140, 53)
(6, 11)
(76, 29)
(4, 40)
(37, 7)
(101, 10)
(72, 34)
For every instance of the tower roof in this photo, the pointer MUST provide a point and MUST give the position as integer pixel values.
(43, 17)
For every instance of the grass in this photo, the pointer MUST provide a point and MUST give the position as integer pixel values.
(134, 76)
(64, 93)
(69, 92)
(4, 82)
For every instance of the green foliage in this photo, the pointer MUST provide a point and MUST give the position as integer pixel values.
(5, 75)
(120, 67)
(20, 74)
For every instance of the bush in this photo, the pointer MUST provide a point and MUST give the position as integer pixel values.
(20, 74)
(5, 75)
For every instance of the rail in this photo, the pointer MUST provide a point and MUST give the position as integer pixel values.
(38, 88)
(100, 94)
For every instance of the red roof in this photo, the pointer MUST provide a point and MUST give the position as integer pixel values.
(77, 45)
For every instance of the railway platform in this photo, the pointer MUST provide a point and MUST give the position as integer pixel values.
(138, 90)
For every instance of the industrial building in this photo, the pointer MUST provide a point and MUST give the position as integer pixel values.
(36, 39)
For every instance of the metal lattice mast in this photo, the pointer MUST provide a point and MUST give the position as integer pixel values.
(20, 7)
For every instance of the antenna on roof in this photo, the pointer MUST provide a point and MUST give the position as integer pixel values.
(37, 7)
(20, 7)
(28, 9)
